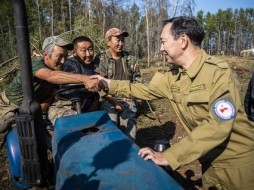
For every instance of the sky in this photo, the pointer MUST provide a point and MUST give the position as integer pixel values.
(214, 5)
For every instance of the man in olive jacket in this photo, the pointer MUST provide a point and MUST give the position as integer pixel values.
(204, 94)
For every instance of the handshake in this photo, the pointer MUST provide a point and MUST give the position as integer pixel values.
(97, 83)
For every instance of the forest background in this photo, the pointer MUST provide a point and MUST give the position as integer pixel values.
(228, 31)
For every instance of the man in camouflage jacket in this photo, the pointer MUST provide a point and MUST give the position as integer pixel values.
(115, 63)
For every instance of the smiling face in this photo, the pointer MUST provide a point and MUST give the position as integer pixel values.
(57, 58)
(116, 43)
(170, 47)
(84, 50)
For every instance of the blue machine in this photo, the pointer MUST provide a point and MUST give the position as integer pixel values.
(13, 153)
(90, 152)
(14, 159)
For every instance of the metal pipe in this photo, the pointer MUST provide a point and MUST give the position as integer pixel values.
(29, 122)
(24, 53)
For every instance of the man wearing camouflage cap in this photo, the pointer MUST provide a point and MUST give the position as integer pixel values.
(47, 75)
(115, 63)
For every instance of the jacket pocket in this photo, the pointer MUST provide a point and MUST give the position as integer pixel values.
(198, 97)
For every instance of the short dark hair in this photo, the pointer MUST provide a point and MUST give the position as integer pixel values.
(78, 39)
(189, 26)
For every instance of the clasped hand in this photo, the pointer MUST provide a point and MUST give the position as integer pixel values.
(103, 82)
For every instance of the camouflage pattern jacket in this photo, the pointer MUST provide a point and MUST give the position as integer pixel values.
(106, 66)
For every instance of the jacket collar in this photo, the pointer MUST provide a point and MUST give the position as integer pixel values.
(194, 67)
(197, 64)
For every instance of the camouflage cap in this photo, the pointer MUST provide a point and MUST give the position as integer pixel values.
(56, 40)
(115, 32)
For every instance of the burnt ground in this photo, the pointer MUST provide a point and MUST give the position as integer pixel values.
(162, 124)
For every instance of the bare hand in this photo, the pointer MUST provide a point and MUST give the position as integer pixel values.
(150, 154)
(118, 107)
(103, 82)
(92, 84)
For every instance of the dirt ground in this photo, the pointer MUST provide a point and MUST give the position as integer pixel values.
(163, 125)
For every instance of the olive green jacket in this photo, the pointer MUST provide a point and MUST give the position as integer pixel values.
(206, 99)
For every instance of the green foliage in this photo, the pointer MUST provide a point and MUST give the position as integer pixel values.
(7, 40)
(228, 30)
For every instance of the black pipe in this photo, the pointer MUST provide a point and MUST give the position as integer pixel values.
(24, 53)
(30, 126)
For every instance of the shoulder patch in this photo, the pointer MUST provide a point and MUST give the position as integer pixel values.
(216, 61)
(224, 109)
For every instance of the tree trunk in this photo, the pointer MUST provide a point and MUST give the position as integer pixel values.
(219, 42)
(147, 34)
(52, 18)
(103, 22)
(63, 15)
(70, 27)
(39, 18)
(2, 33)
(10, 38)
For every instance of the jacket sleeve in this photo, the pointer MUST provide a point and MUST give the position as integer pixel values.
(154, 90)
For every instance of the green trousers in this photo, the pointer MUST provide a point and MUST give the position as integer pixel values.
(234, 178)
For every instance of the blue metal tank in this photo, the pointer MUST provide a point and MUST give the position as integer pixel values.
(90, 152)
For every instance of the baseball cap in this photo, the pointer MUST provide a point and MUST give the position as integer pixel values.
(115, 32)
(56, 40)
